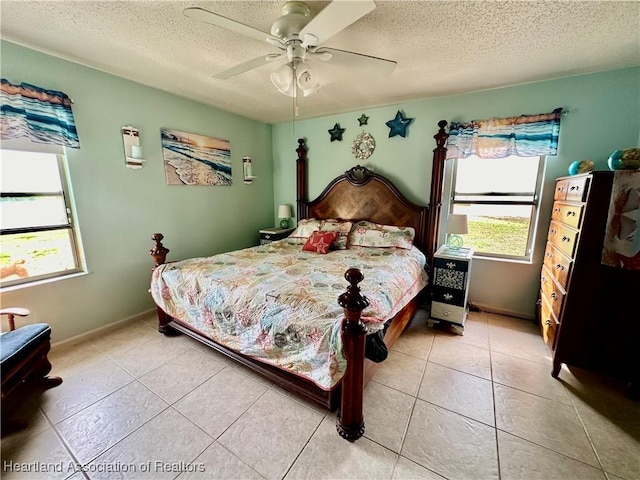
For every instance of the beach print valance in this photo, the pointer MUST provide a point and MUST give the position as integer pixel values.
(43, 116)
(523, 136)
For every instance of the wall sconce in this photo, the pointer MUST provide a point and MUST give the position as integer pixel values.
(284, 214)
(247, 170)
(132, 149)
(456, 224)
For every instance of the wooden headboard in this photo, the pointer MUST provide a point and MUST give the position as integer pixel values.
(361, 194)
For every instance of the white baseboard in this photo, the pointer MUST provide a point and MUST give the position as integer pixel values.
(96, 332)
(503, 311)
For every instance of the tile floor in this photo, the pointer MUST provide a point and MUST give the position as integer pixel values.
(135, 404)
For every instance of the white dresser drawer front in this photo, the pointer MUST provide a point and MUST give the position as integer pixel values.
(450, 313)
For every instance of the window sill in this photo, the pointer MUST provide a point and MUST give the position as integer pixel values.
(479, 256)
(44, 281)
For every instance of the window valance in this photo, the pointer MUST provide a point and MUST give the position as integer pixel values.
(523, 136)
(43, 116)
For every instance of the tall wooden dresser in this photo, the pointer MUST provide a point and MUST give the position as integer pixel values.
(586, 313)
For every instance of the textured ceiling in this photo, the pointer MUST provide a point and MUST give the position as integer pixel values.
(442, 47)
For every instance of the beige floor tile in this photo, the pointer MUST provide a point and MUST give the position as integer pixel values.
(82, 389)
(617, 445)
(43, 456)
(461, 356)
(91, 431)
(320, 410)
(327, 456)
(547, 423)
(407, 470)
(523, 460)
(71, 359)
(184, 373)
(271, 434)
(205, 349)
(528, 376)
(218, 402)
(401, 371)
(460, 392)
(150, 355)
(251, 374)
(476, 332)
(518, 338)
(600, 395)
(386, 415)
(416, 341)
(219, 463)
(125, 338)
(167, 443)
(451, 445)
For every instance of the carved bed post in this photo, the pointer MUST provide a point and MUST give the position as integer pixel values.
(350, 423)
(159, 253)
(435, 201)
(301, 181)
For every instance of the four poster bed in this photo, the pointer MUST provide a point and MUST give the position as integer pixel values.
(281, 317)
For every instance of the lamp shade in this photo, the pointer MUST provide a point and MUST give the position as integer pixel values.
(284, 211)
(457, 224)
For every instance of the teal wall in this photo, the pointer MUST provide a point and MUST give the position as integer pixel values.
(604, 115)
(118, 208)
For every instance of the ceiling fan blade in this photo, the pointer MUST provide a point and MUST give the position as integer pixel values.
(214, 19)
(335, 17)
(343, 58)
(248, 65)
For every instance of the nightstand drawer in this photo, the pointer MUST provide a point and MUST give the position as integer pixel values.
(450, 313)
(449, 296)
(450, 264)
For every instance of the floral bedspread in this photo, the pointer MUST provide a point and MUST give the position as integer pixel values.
(278, 304)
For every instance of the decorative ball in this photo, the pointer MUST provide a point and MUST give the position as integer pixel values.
(581, 166)
(628, 159)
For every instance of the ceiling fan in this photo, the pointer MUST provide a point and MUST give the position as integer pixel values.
(299, 39)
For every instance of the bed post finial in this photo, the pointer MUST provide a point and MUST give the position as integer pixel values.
(158, 252)
(301, 180)
(350, 423)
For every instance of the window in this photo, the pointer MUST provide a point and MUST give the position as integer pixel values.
(500, 198)
(38, 240)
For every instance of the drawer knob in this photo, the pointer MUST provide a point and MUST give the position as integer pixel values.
(571, 214)
(553, 232)
(559, 267)
(448, 296)
(548, 255)
(547, 322)
(445, 313)
(554, 295)
(565, 238)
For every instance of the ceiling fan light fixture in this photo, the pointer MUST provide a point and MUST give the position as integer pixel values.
(282, 78)
(307, 78)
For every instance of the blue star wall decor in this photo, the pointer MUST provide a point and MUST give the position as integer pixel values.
(363, 120)
(336, 132)
(398, 126)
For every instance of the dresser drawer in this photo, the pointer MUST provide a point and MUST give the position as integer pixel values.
(548, 324)
(562, 237)
(577, 191)
(561, 190)
(567, 214)
(450, 313)
(551, 291)
(450, 264)
(558, 264)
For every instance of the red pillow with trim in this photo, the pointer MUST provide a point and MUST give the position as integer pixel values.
(320, 242)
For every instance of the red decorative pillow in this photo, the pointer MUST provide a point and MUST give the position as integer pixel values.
(320, 242)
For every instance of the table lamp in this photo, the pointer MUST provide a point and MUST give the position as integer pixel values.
(456, 225)
(284, 214)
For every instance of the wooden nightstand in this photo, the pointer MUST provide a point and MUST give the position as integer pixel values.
(268, 235)
(451, 271)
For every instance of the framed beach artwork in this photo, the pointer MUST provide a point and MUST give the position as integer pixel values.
(191, 159)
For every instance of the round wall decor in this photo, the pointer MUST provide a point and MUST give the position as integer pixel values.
(363, 146)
